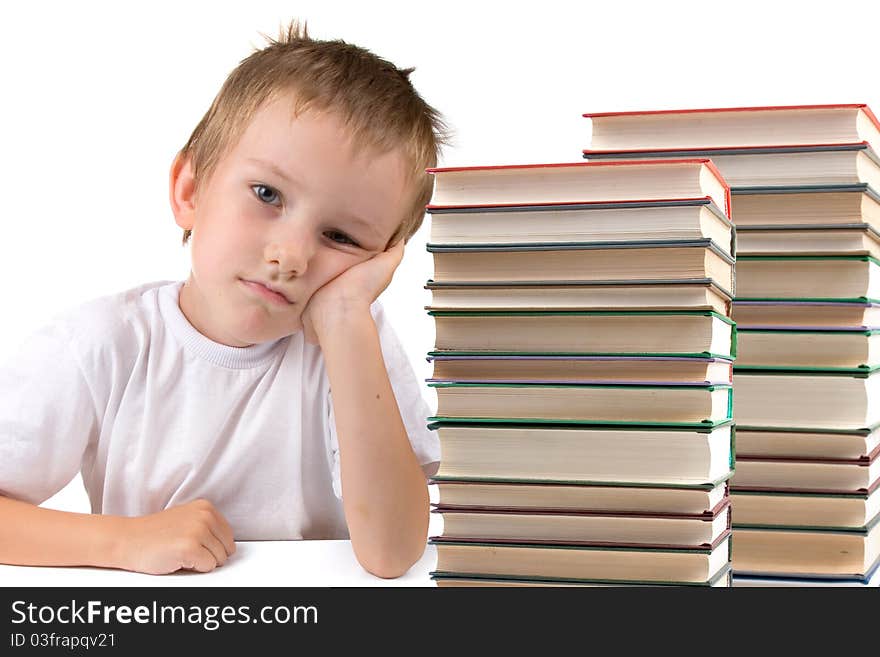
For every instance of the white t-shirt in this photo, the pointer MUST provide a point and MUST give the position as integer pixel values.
(155, 414)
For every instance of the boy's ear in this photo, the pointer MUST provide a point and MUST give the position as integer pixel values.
(181, 191)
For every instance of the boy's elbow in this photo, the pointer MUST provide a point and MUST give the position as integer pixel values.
(387, 571)
(391, 566)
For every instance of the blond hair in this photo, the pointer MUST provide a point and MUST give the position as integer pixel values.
(375, 100)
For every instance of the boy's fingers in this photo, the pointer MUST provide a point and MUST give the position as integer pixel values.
(216, 548)
(203, 561)
(222, 530)
(397, 250)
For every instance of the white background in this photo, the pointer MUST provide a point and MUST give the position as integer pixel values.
(97, 97)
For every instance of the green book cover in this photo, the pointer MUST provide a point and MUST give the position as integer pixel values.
(791, 493)
(858, 531)
(653, 282)
(702, 355)
(845, 372)
(571, 313)
(789, 258)
(486, 247)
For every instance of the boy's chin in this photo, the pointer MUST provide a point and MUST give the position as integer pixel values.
(257, 332)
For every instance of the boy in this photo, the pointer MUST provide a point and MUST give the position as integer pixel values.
(242, 402)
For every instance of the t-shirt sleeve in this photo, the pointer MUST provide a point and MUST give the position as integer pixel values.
(407, 388)
(47, 416)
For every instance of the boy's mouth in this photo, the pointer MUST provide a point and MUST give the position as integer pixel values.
(267, 292)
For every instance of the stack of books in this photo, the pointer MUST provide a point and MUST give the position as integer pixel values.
(804, 183)
(583, 371)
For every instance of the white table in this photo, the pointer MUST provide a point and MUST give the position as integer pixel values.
(255, 563)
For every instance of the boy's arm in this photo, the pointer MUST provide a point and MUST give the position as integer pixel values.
(34, 536)
(385, 493)
(192, 536)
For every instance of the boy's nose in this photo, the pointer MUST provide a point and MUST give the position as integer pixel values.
(291, 256)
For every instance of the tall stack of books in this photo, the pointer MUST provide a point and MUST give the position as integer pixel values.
(805, 182)
(583, 370)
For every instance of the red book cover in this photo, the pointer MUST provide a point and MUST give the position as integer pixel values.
(702, 161)
(861, 106)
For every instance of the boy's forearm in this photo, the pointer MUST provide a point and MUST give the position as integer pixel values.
(385, 495)
(34, 536)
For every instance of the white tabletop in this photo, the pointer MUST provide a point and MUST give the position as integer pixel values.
(255, 563)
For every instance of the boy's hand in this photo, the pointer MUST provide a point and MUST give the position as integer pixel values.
(354, 290)
(192, 536)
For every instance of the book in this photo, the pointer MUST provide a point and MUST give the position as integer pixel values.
(828, 444)
(577, 562)
(582, 527)
(598, 333)
(869, 580)
(851, 239)
(839, 167)
(808, 278)
(815, 207)
(808, 348)
(696, 499)
(593, 223)
(815, 314)
(579, 183)
(584, 403)
(779, 551)
(574, 454)
(722, 579)
(631, 262)
(517, 368)
(795, 509)
(801, 400)
(682, 129)
(697, 294)
(806, 475)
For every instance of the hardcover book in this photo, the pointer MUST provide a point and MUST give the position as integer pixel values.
(683, 129)
(829, 239)
(582, 527)
(799, 509)
(587, 563)
(779, 551)
(597, 333)
(579, 183)
(576, 454)
(814, 314)
(839, 167)
(519, 368)
(808, 278)
(586, 403)
(583, 263)
(870, 579)
(807, 475)
(817, 207)
(684, 294)
(591, 223)
(722, 579)
(612, 497)
(848, 401)
(817, 444)
(808, 348)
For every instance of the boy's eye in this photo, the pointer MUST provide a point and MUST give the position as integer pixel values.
(340, 238)
(266, 194)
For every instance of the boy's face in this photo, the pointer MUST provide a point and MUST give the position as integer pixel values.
(291, 206)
